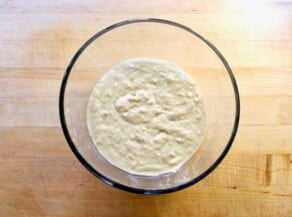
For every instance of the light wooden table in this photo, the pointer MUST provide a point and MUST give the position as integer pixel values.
(39, 176)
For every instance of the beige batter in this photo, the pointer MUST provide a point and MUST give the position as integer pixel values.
(146, 116)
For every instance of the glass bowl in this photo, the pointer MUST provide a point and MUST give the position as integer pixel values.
(165, 40)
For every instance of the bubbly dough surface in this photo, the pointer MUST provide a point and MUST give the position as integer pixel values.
(146, 116)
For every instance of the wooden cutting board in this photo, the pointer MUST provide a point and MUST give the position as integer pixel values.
(39, 176)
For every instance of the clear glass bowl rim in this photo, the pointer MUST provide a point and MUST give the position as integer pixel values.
(113, 183)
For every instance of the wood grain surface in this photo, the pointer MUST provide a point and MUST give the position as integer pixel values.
(39, 175)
